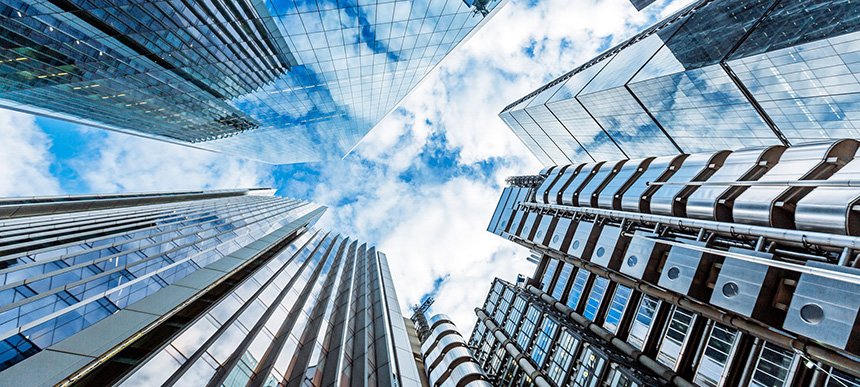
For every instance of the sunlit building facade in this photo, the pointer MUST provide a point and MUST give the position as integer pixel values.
(233, 287)
(277, 81)
(735, 72)
(722, 268)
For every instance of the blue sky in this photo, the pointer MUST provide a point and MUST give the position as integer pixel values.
(421, 186)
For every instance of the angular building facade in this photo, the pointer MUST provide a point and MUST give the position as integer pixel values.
(232, 287)
(276, 81)
(739, 73)
(721, 268)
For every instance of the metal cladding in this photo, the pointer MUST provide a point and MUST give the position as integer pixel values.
(230, 287)
(447, 357)
(697, 299)
(826, 310)
(715, 202)
(832, 208)
(774, 206)
(644, 257)
(672, 199)
(750, 289)
(689, 271)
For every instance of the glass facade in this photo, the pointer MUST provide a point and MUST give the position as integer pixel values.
(739, 73)
(223, 287)
(278, 81)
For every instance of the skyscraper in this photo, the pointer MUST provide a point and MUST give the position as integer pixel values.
(277, 81)
(738, 73)
(716, 269)
(232, 287)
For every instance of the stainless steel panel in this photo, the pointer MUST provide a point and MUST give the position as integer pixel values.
(687, 271)
(825, 309)
(590, 191)
(500, 208)
(749, 289)
(584, 238)
(504, 221)
(570, 194)
(609, 248)
(831, 209)
(542, 230)
(774, 205)
(514, 226)
(671, 199)
(527, 229)
(638, 195)
(610, 196)
(714, 202)
(552, 174)
(559, 234)
(555, 192)
(644, 257)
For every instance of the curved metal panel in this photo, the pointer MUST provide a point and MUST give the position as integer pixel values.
(714, 202)
(637, 197)
(464, 371)
(552, 176)
(670, 199)
(590, 191)
(570, 194)
(453, 356)
(774, 205)
(442, 344)
(831, 209)
(610, 197)
(555, 192)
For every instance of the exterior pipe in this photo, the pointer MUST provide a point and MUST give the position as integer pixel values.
(785, 183)
(812, 350)
(522, 361)
(755, 353)
(657, 368)
(802, 237)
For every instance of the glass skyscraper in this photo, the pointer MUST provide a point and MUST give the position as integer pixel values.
(233, 287)
(737, 73)
(279, 81)
(726, 268)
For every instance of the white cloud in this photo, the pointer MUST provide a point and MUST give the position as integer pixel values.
(25, 157)
(437, 229)
(122, 163)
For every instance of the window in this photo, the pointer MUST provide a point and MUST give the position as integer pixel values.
(577, 288)
(676, 337)
(595, 298)
(642, 323)
(503, 307)
(718, 352)
(561, 282)
(563, 353)
(544, 340)
(773, 368)
(524, 338)
(514, 317)
(548, 274)
(590, 369)
(616, 309)
(493, 298)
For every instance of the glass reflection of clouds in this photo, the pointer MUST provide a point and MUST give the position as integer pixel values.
(280, 81)
(734, 73)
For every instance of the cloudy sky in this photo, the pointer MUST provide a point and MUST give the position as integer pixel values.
(421, 186)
